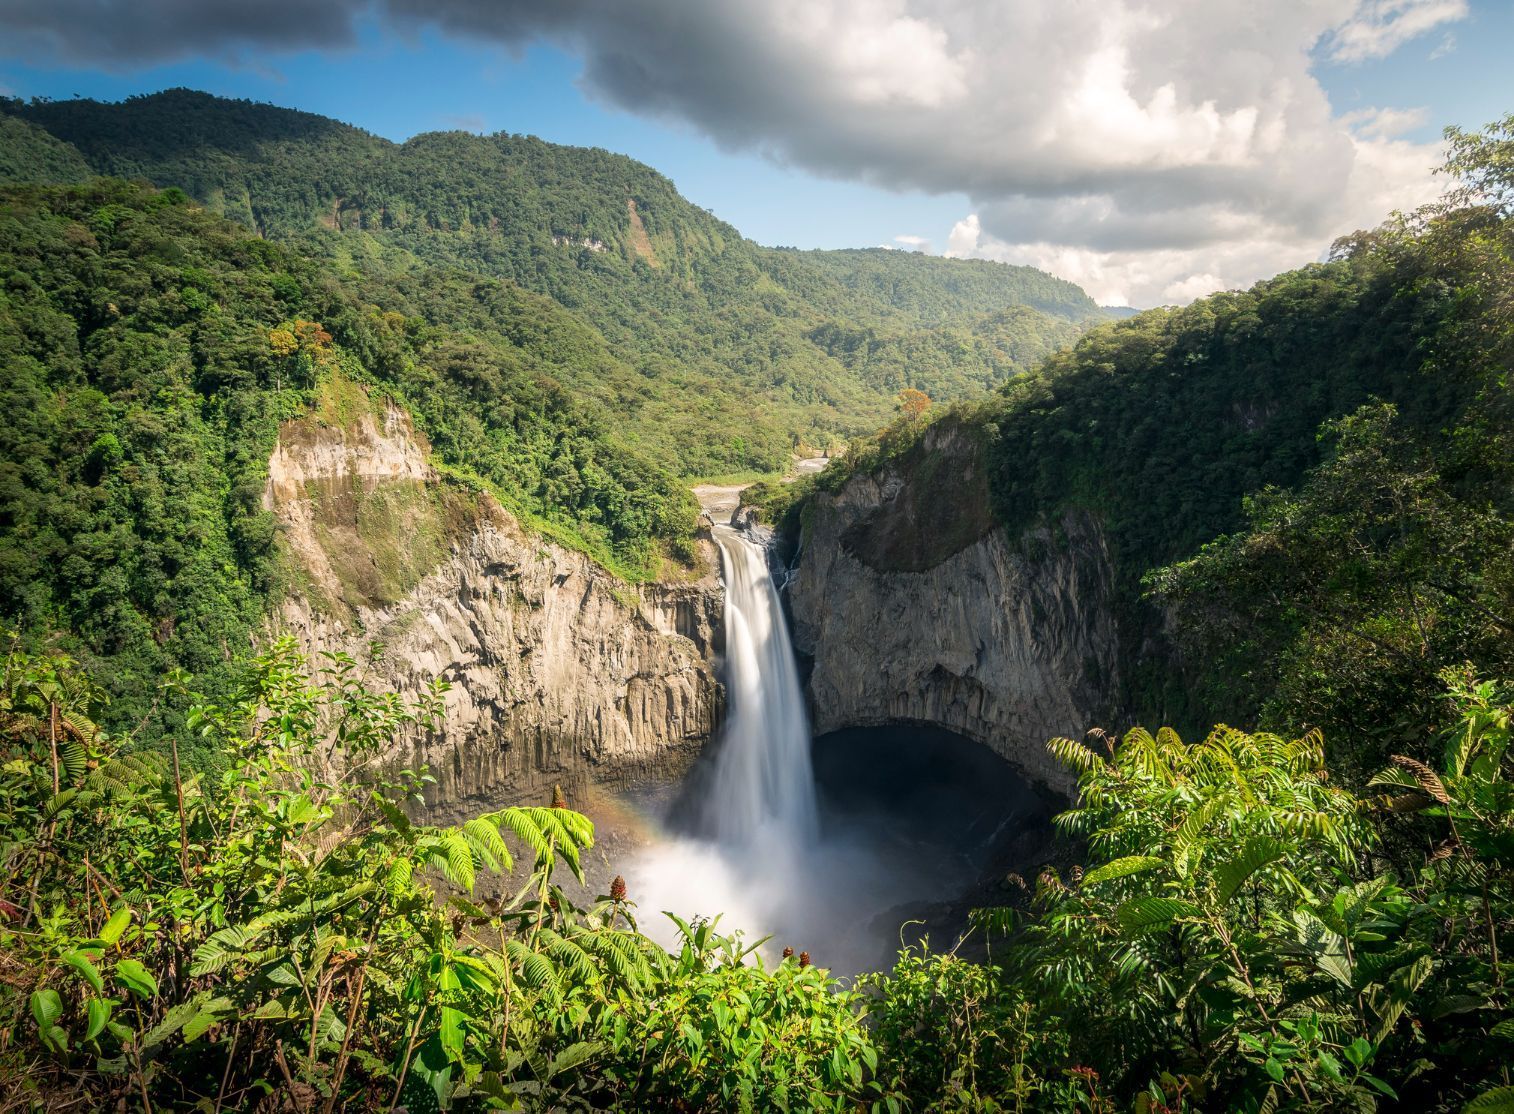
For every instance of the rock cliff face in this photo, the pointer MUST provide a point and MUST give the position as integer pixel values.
(560, 673)
(915, 608)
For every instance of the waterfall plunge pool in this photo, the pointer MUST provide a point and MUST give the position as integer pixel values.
(831, 845)
(914, 824)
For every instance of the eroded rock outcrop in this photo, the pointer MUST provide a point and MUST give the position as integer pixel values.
(560, 672)
(915, 607)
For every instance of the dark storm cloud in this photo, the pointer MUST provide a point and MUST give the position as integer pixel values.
(112, 33)
(1098, 126)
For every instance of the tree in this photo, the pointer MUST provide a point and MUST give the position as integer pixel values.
(1484, 161)
(913, 404)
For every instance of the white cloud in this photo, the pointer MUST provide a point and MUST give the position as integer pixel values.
(1384, 123)
(1385, 175)
(1150, 148)
(913, 243)
(1379, 27)
(877, 54)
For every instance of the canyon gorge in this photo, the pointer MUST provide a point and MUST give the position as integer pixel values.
(562, 674)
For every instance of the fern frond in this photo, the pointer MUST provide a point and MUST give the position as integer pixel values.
(1121, 868)
(397, 881)
(571, 958)
(73, 759)
(447, 851)
(482, 834)
(1428, 780)
(1258, 852)
(1146, 914)
(222, 949)
(1073, 754)
(533, 968)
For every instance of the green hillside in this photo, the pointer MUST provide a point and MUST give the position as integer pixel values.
(1305, 486)
(729, 354)
(151, 351)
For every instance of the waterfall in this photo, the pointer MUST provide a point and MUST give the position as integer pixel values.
(763, 796)
(754, 859)
(746, 840)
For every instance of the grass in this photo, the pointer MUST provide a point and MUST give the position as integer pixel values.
(732, 479)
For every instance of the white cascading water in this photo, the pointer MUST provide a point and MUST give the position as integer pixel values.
(753, 864)
(763, 798)
(761, 863)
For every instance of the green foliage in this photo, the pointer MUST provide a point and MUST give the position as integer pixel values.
(28, 153)
(1363, 584)
(1484, 162)
(724, 353)
(955, 1035)
(719, 1031)
(152, 353)
(1245, 936)
(287, 934)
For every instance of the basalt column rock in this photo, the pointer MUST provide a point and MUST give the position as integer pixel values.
(915, 607)
(559, 672)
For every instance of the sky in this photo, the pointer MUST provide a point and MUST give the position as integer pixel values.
(1152, 153)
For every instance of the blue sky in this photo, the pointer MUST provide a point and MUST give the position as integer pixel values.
(398, 79)
(399, 86)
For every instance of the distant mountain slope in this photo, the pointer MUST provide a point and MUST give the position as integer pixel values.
(934, 290)
(152, 351)
(1303, 489)
(27, 153)
(734, 352)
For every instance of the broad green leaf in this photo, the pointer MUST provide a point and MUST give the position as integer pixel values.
(451, 1032)
(99, 1013)
(114, 927)
(1121, 868)
(137, 978)
(47, 1007)
(87, 970)
(1358, 1051)
(1500, 1100)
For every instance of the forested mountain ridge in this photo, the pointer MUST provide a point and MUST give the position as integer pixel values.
(1303, 487)
(791, 345)
(152, 351)
(565, 330)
